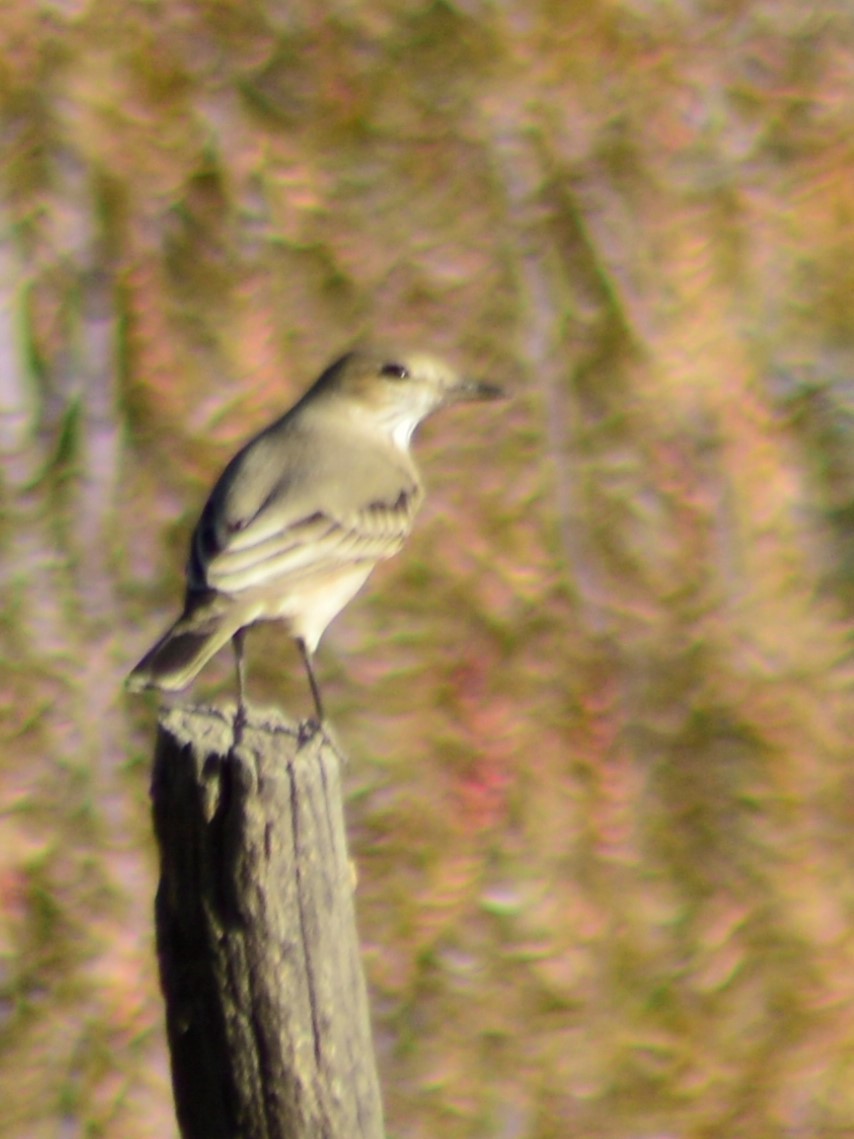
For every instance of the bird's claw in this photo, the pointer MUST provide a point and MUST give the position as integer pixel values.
(307, 730)
(310, 728)
(240, 722)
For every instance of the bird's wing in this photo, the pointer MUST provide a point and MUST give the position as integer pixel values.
(262, 554)
(260, 531)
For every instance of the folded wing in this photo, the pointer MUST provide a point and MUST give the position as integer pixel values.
(274, 549)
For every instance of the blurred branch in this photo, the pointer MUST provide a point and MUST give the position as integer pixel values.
(545, 283)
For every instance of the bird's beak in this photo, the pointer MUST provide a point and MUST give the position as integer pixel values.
(474, 390)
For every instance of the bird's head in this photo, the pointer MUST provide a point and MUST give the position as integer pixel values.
(397, 389)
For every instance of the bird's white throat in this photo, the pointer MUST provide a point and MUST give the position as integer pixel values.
(395, 423)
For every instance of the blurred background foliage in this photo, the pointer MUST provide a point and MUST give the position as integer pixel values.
(600, 710)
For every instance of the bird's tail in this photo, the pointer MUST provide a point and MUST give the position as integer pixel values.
(180, 654)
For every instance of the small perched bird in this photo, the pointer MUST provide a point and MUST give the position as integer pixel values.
(304, 511)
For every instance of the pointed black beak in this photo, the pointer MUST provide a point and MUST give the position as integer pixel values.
(476, 390)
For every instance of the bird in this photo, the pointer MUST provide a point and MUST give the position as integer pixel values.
(304, 511)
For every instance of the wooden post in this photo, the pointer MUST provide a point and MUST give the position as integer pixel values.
(266, 1008)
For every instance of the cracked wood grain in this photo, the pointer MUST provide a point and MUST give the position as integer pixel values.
(266, 1008)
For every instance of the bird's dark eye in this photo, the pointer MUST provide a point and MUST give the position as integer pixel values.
(395, 371)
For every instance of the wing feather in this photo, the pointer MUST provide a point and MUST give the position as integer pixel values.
(268, 553)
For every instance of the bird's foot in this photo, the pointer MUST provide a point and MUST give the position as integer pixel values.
(241, 719)
(310, 728)
(307, 730)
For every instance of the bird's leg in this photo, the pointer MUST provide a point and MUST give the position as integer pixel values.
(308, 729)
(312, 680)
(240, 664)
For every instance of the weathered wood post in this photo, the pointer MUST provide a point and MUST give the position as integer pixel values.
(266, 1006)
